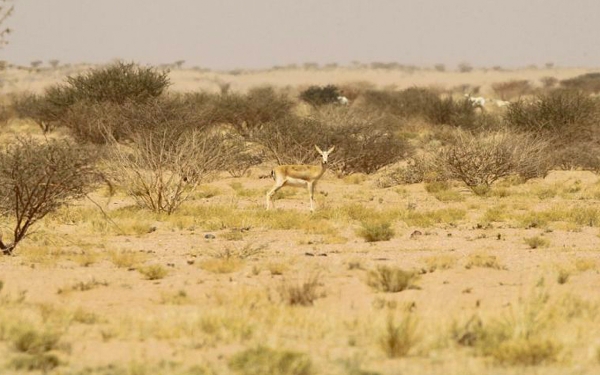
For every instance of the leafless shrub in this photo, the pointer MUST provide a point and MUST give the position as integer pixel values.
(480, 160)
(159, 170)
(291, 140)
(240, 156)
(38, 178)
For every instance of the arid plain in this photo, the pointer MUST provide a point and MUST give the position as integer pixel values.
(505, 283)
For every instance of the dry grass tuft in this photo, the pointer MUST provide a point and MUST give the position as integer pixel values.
(263, 360)
(399, 338)
(82, 286)
(154, 272)
(536, 242)
(485, 261)
(374, 231)
(300, 294)
(391, 279)
(440, 262)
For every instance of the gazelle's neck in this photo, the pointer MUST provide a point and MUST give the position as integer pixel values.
(323, 168)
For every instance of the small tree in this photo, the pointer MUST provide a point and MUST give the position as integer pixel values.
(118, 83)
(54, 63)
(38, 178)
(39, 109)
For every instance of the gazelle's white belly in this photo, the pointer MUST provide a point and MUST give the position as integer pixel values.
(296, 182)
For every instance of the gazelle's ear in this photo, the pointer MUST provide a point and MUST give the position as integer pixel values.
(331, 149)
(318, 149)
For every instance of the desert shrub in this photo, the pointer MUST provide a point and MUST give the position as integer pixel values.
(480, 160)
(512, 89)
(421, 102)
(399, 338)
(263, 360)
(536, 241)
(291, 140)
(160, 169)
(549, 82)
(465, 67)
(374, 231)
(303, 293)
(154, 272)
(175, 114)
(35, 349)
(365, 143)
(448, 111)
(39, 109)
(240, 157)
(247, 113)
(318, 96)
(566, 114)
(523, 337)
(264, 104)
(420, 168)
(584, 155)
(36, 178)
(391, 279)
(588, 82)
(118, 83)
(484, 260)
(410, 102)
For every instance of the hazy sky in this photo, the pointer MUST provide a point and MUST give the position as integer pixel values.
(230, 34)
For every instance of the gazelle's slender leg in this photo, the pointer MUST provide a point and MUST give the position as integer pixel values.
(271, 193)
(311, 193)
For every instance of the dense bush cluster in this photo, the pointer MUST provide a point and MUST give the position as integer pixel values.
(423, 103)
(160, 144)
(589, 83)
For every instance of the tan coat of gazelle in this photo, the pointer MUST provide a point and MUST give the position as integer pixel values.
(299, 176)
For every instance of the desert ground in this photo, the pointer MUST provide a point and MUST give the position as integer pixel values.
(505, 283)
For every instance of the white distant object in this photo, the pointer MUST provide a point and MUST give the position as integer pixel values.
(343, 100)
(502, 103)
(476, 101)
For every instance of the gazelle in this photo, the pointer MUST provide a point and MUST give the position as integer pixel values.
(299, 176)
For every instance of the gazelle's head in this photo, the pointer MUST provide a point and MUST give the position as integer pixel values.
(325, 154)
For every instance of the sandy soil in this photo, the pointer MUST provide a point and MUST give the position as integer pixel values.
(223, 295)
